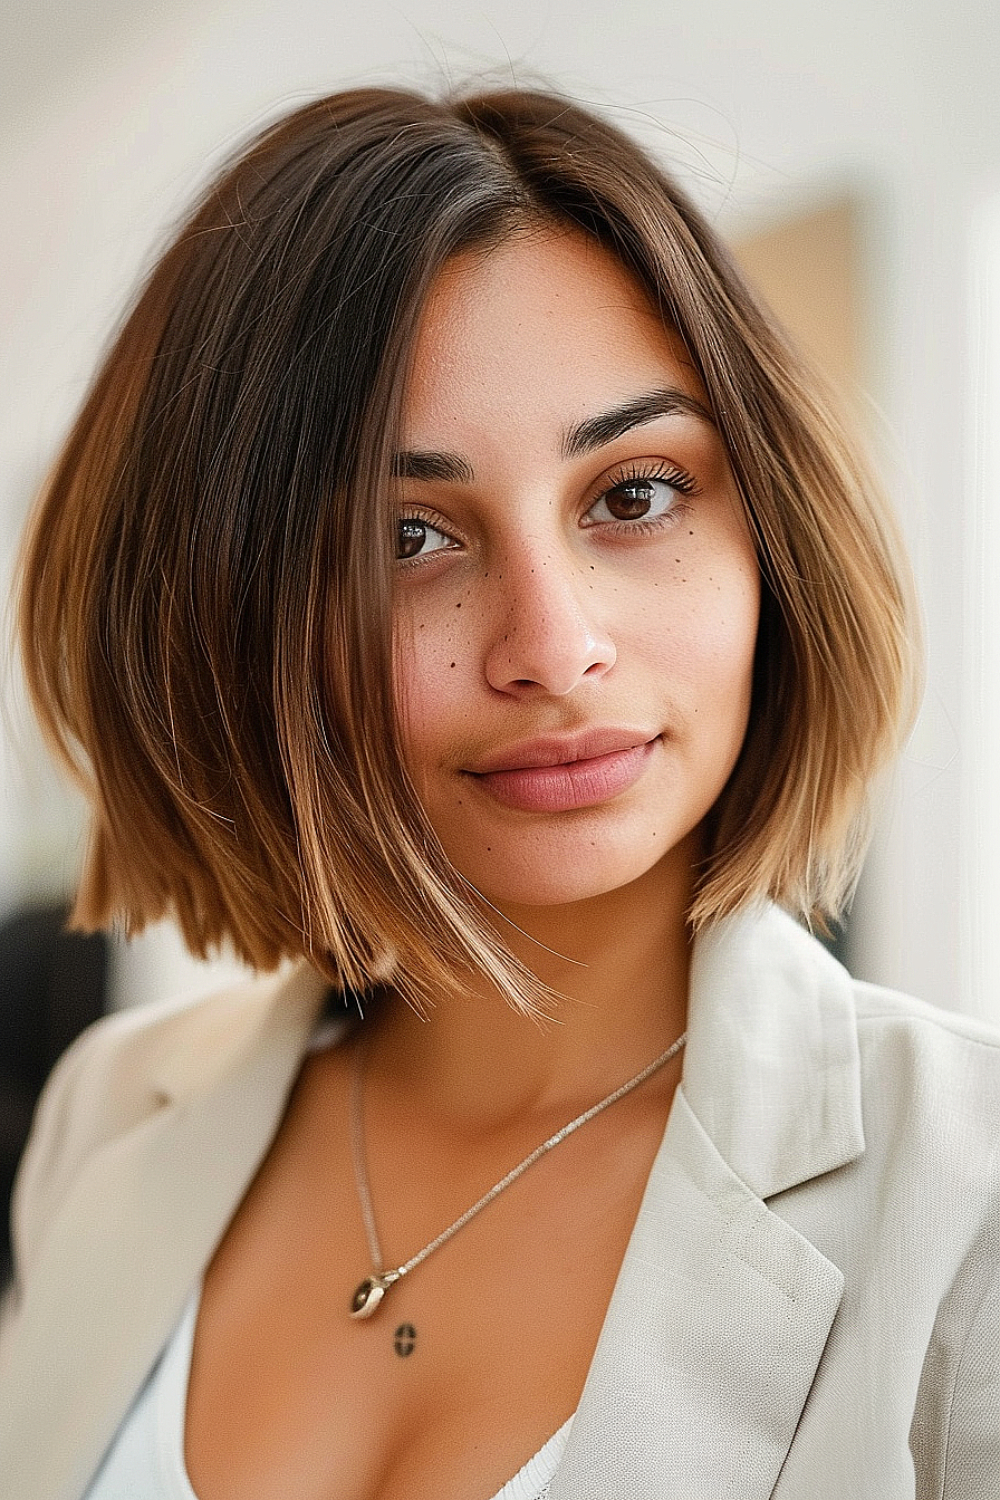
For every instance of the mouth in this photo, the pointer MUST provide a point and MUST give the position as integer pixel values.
(558, 775)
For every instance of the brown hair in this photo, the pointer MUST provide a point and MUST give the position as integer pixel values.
(206, 589)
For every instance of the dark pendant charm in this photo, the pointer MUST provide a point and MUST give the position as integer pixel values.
(370, 1293)
(404, 1340)
(367, 1297)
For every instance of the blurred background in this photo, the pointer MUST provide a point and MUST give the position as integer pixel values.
(850, 152)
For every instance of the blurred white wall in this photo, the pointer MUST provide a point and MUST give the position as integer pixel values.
(111, 113)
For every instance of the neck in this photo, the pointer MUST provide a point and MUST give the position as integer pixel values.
(618, 963)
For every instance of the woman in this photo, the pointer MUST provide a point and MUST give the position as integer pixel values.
(452, 585)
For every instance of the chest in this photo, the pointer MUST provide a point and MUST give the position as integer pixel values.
(472, 1361)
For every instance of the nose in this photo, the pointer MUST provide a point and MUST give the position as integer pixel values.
(549, 637)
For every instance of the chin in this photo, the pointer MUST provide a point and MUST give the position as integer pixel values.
(550, 878)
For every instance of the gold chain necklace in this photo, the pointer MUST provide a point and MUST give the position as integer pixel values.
(370, 1292)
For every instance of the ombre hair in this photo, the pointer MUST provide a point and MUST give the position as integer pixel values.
(207, 585)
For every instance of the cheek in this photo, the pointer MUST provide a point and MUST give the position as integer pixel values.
(702, 639)
(730, 617)
(431, 663)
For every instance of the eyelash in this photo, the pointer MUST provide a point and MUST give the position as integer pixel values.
(635, 472)
(631, 473)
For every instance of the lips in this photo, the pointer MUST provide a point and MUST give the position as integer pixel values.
(556, 750)
(560, 774)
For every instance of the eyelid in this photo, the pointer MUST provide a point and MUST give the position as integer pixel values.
(412, 510)
(666, 469)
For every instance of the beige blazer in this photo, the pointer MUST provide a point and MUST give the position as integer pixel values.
(809, 1305)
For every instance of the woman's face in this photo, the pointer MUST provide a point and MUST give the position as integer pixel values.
(577, 593)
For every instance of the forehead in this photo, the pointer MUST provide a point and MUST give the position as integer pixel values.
(538, 332)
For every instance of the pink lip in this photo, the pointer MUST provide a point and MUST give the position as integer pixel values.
(557, 775)
(560, 749)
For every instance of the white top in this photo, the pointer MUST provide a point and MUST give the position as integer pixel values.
(146, 1459)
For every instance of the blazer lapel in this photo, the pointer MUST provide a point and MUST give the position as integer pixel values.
(136, 1230)
(722, 1310)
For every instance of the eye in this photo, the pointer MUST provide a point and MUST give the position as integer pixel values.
(418, 538)
(641, 495)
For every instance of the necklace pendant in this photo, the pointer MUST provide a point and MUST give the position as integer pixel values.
(366, 1299)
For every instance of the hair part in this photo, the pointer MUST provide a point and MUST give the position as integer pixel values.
(206, 589)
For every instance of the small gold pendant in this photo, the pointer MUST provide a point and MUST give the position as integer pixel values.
(369, 1294)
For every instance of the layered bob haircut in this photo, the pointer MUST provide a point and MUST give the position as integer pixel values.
(207, 586)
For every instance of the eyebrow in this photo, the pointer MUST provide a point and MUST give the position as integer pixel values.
(585, 437)
(595, 432)
(446, 468)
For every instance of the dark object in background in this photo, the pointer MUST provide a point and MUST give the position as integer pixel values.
(53, 983)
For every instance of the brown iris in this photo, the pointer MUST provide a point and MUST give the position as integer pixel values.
(411, 537)
(630, 500)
